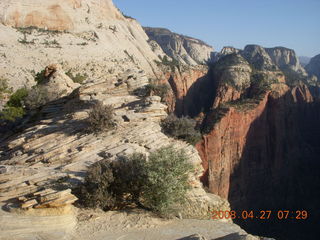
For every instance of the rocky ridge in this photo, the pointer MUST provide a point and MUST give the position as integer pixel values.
(186, 50)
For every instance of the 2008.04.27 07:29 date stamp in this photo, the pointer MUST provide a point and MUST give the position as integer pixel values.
(263, 215)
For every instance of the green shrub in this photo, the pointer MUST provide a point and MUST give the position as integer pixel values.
(94, 193)
(14, 108)
(167, 174)
(181, 128)
(78, 78)
(40, 77)
(100, 118)
(17, 98)
(11, 113)
(159, 183)
(114, 185)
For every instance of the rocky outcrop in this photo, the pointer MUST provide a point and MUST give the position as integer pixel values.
(258, 57)
(313, 68)
(56, 150)
(37, 33)
(57, 15)
(233, 73)
(181, 99)
(286, 59)
(259, 139)
(186, 50)
(47, 198)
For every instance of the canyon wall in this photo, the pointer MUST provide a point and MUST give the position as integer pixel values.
(260, 149)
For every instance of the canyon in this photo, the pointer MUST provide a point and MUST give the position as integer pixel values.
(257, 108)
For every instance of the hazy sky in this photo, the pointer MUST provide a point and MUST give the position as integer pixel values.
(291, 23)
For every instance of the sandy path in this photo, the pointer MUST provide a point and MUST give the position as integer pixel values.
(143, 226)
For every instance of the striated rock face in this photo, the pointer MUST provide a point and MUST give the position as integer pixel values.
(186, 50)
(313, 68)
(258, 57)
(55, 151)
(56, 15)
(286, 59)
(36, 33)
(184, 89)
(261, 140)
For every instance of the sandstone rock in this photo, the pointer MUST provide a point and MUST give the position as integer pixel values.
(185, 49)
(258, 57)
(59, 15)
(286, 59)
(38, 33)
(48, 198)
(58, 82)
(224, 51)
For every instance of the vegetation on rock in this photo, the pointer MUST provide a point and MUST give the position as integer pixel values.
(14, 108)
(40, 77)
(100, 118)
(160, 90)
(78, 78)
(173, 64)
(183, 128)
(158, 183)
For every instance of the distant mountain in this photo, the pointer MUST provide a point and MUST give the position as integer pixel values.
(304, 60)
(187, 50)
(313, 68)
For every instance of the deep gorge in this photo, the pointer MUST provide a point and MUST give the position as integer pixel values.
(264, 158)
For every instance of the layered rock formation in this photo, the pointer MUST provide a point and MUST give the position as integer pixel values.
(54, 152)
(286, 59)
(37, 33)
(261, 139)
(186, 50)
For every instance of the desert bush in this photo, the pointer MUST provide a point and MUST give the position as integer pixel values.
(167, 174)
(40, 77)
(16, 106)
(78, 78)
(100, 118)
(11, 113)
(95, 193)
(183, 128)
(114, 185)
(159, 183)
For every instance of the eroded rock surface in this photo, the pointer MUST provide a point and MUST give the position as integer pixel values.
(186, 50)
(36, 33)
